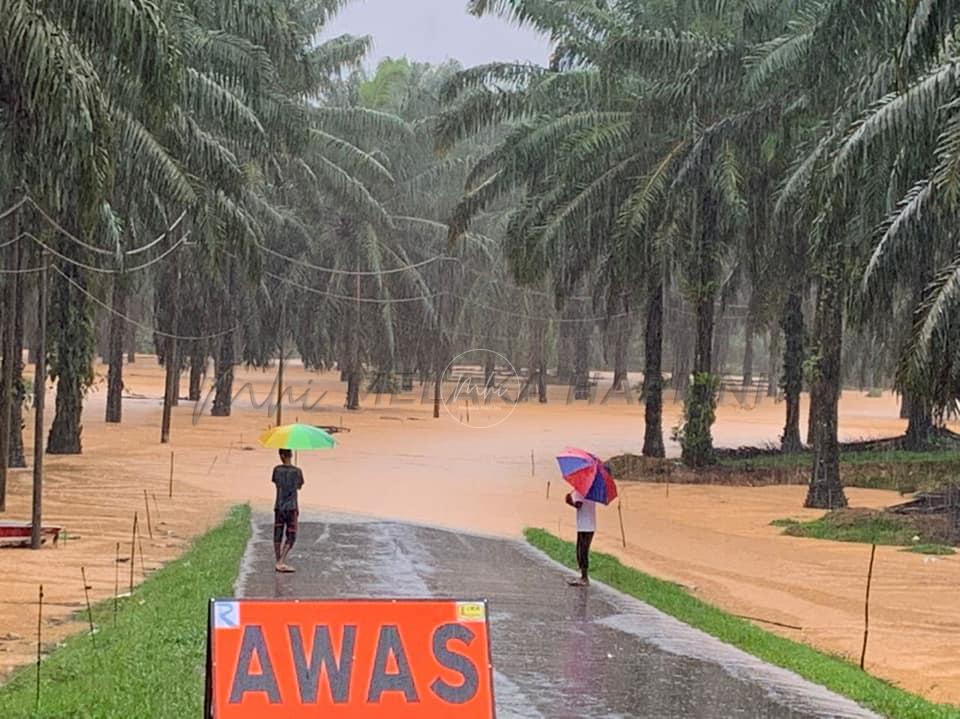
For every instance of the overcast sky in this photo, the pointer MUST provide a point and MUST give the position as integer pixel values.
(436, 30)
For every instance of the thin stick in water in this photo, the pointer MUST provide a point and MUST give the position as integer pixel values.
(39, 642)
(143, 565)
(623, 534)
(548, 489)
(146, 503)
(116, 583)
(533, 466)
(86, 594)
(866, 607)
(171, 475)
(156, 508)
(133, 551)
(768, 621)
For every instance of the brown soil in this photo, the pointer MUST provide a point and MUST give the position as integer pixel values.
(397, 462)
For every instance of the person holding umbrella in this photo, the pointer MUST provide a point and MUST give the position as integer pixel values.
(592, 482)
(586, 527)
(289, 481)
(286, 509)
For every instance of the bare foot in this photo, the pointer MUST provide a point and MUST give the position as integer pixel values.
(578, 582)
(285, 568)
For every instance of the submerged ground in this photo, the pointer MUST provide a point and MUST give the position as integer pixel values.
(398, 463)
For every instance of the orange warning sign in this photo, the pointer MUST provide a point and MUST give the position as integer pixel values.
(356, 658)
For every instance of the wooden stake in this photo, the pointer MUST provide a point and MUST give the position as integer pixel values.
(668, 489)
(116, 584)
(171, 475)
(86, 594)
(143, 565)
(39, 396)
(283, 312)
(533, 466)
(39, 642)
(866, 607)
(146, 503)
(548, 489)
(623, 534)
(156, 508)
(133, 551)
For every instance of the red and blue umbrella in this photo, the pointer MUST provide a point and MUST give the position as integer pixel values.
(588, 474)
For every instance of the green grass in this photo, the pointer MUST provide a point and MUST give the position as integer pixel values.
(151, 663)
(935, 549)
(842, 527)
(835, 673)
(803, 459)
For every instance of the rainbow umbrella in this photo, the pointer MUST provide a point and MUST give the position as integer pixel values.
(297, 436)
(588, 474)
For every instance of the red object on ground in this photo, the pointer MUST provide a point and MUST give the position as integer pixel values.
(16, 534)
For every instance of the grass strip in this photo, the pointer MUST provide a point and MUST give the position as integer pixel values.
(803, 459)
(869, 527)
(941, 550)
(866, 529)
(151, 662)
(832, 672)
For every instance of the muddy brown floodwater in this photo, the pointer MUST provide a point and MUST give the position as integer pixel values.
(397, 462)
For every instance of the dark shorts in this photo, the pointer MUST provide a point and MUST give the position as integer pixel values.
(285, 519)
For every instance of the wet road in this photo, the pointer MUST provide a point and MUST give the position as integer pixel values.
(558, 652)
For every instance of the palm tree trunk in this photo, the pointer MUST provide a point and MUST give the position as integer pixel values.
(773, 363)
(565, 345)
(353, 391)
(581, 361)
(697, 450)
(542, 380)
(905, 405)
(652, 374)
(680, 376)
(919, 434)
(223, 371)
(826, 491)
(489, 371)
(620, 351)
(6, 368)
(115, 352)
(16, 455)
(198, 365)
(224, 361)
(792, 324)
(73, 352)
(748, 352)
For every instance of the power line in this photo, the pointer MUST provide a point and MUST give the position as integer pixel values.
(101, 270)
(92, 248)
(135, 323)
(24, 271)
(348, 298)
(354, 273)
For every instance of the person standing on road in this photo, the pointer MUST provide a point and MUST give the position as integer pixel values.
(286, 509)
(586, 526)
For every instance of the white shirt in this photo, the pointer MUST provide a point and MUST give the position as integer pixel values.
(586, 514)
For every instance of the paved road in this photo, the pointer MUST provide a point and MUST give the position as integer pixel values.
(558, 652)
